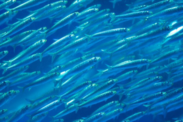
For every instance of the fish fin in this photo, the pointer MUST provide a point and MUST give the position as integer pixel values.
(40, 57)
(29, 100)
(51, 19)
(22, 88)
(52, 57)
(14, 47)
(108, 66)
(4, 70)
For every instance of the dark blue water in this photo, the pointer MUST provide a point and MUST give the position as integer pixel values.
(44, 67)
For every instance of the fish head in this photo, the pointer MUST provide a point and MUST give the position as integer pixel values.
(163, 93)
(14, 12)
(71, 36)
(38, 72)
(113, 92)
(115, 102)
(13, 92)
(89, 82)
(31, 19)
(56, 73)
(97, 59)
(159, 77)
(76, 14)
(7, 82)
(98, 5)
(5, 52)
(40, 42)
(114, 80)
(94, 85)
(135, 71)
(112, 15)
(101, 114)
(119, 110)
(63, 6)
(26, 107)
(96, 9)
(4, 110)
(148, 12)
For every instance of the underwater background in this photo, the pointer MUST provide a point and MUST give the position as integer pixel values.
(47, 64)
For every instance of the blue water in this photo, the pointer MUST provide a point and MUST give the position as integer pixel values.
(45, 65)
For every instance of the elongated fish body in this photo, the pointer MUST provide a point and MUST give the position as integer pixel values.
(4, 85)
(168, 55)
(173, 39)
(14, 73)
(77, 44)
(6, 4)
(61, 66)
(87, 13)
(102, 88)
(111, 115)
(42, 80)
(24, 62)
(131, 64)
(67, 111)
(85, 91)
(134, 117)
(32, 37)
(126, 76)
(50, 106)
(67, 84)
(25, 78)
(19, 114)
(41, 103)
(62, 120)
(63, 22)
(100, 13)
(38, 118)
(149, 98)
(95, 118)
(148, 72)
(152, 34)
(83, 66)
(6, 97)
(112, 32)
(177, 78)
(157, 5)
(28, 4)
(49, 13)
(155, 87)
(15, 39)
(176, 10)
(150, 27)
(133, 15)
(107, 107)
(28, 51)
(77, 4)
(59, 43)
(20, 25)
(76, 89)
(170, 96)
(8, 15)
(3, 54)
(97, 99)
(145, 82)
